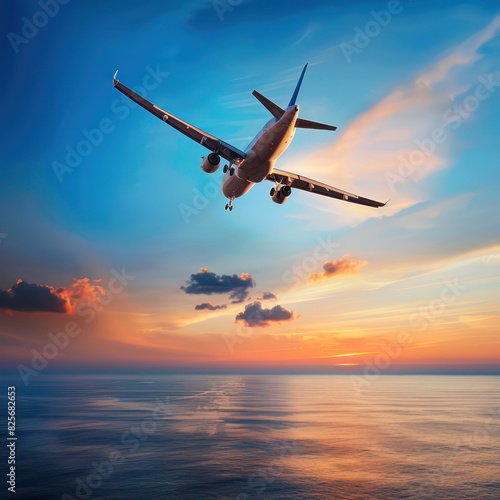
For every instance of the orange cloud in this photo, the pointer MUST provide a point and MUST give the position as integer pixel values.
(340, 266)
(82, 289)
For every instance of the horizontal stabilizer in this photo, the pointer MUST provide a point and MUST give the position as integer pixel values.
(301, 123)
(274, 109)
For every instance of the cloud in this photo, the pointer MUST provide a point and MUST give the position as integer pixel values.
(255, 315)
(340, 266)
(82, 290)
(25, 296)
(205, 282)
(268, 296)
(385, 151)
(465, 53)
(30, 297)
(209, 307)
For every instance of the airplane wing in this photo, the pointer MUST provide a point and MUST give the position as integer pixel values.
(306, 184)
(228, 152)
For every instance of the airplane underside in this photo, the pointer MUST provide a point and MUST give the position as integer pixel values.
(247, 168)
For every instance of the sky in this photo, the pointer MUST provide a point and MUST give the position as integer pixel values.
(116, 252)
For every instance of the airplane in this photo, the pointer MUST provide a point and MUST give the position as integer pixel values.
(256, 163)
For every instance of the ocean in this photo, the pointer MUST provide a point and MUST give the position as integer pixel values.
(250, 437)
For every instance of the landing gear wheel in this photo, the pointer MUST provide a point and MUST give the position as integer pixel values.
(225, 169)
(271, 193)
(227, 206)
(230, 208)
(231, 171)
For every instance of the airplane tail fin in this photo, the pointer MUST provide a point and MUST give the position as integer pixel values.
(297, 88)
(278, 112)
(274, 109)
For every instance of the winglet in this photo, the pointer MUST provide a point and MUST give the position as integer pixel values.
(115, 81)
(297, 88)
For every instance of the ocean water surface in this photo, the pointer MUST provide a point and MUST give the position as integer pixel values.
(245, 437)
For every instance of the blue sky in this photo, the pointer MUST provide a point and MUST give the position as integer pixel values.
(122, 205)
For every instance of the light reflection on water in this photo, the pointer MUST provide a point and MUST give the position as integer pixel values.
(245, 437)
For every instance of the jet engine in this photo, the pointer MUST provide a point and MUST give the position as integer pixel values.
(210, 163)
(279, 196)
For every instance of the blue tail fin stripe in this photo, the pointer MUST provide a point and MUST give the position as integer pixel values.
(297, 88)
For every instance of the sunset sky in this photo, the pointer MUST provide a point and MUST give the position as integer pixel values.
(118, 235)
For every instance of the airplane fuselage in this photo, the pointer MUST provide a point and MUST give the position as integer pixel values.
(262, 152)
